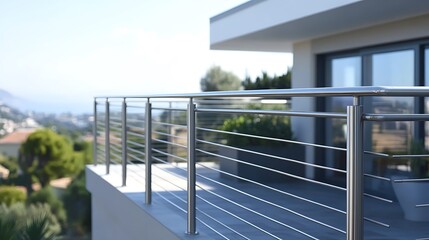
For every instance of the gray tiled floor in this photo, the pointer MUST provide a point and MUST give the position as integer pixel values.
(273, 212)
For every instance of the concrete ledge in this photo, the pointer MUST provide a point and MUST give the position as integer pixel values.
(120, 213)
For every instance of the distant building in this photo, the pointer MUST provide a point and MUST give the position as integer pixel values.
(4, 172)
(9, 144)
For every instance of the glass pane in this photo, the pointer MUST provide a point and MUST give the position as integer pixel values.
(346, 72)
(392, 69)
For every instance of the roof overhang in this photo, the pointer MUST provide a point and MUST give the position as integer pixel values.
(274, 25)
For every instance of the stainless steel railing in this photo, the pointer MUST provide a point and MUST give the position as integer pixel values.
(162, 132)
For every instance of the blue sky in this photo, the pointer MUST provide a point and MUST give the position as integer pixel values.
(59, 54)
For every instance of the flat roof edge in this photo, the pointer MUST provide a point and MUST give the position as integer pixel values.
(235, 10)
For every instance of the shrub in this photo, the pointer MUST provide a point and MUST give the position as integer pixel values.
(260, 125)
(419, 166)
(47, 195)
(77, 201)
(25, 218)
(7, 228)
(10, 195)
(36, 228)
(11, 164)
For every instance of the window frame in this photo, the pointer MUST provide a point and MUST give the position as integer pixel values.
(324, 75)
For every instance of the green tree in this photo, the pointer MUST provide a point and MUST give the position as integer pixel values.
(267, 82)
(77, 201)
(84, 149)
(218, 80)
(11, 164)
(46, 156)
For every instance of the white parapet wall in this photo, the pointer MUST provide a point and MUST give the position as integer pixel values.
(120, 212)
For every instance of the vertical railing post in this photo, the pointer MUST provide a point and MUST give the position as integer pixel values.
(354, 171)
(124, 142)
(170, 132)
(191, 227)
(148, 151)
(94, 132)
(107, 137)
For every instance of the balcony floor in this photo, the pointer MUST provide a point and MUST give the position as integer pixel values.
(277, 212)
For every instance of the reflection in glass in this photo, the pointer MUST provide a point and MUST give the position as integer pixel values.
(346, 72)
(392, 69)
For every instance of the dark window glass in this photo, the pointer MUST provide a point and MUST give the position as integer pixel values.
(392, 69)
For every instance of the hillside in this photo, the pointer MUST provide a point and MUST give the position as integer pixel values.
(5, 95)
(12, 118)
(8, 98)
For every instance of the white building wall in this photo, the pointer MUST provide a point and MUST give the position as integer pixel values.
(303, 75)
(119, 214)
(408, 29)
(10, 149)
(115, 216)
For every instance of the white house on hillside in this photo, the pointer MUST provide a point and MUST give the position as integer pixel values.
(10, 144)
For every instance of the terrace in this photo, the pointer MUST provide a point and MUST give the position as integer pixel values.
(169, 167)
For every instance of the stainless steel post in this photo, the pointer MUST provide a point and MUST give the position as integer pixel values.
(107, 136)
(124, 142)
(354, 171)
(148, 151)
(94, 132)
(191, 229)
(170, 132)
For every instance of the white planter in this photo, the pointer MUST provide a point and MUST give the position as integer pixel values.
(409, 195)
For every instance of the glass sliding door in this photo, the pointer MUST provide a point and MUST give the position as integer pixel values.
(345, 72)
(392, 69)
(396, 64)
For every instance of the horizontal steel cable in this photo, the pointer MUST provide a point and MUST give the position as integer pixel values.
(169, 109)
(167, 142)
(277, 171)
(135, 158)
(257, 213)
(135, 151)
(199, 210)
(169, 135)
(136, 134)
(169, 155)
(273, 204)
(274, 156)
(273, 139)
(136, 143)
(131, 127)
(170, 124)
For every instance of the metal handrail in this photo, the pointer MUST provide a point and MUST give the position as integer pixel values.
(297, 92)
(355, 119)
